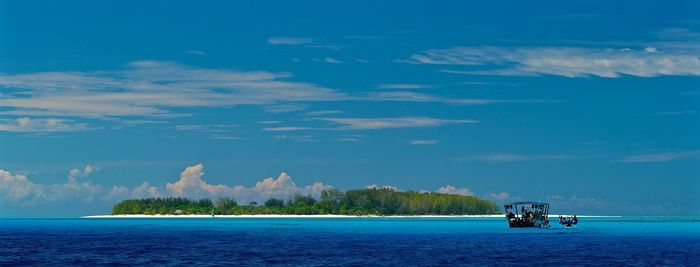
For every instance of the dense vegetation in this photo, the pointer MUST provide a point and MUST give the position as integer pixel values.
(332, 201)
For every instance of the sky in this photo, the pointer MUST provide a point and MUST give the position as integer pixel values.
(593, 106)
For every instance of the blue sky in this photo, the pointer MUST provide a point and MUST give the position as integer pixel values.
(593, 106)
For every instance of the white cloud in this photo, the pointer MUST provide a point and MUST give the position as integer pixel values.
(565, 61)
(300, 138)
(455, 191)
(20, 190)
(77, 186)
(349, 139)
(499, 196)
(191, 184)
(360, 60)
(406, 96)
(651, 50)
(673, 113)
(209, 128)
(403, 86)
(284, 40)
(283, 187)
(226, 137)
(196, 52)
(75, 174)
(388, 123)
(149, 88)
(516, 157)
(285, 129)
(29, 125)
(269, 122)
(145, 190)
(662, 157)
(323, 112)
(423, 142)
(328, 60)
(17, 188)
(213, 131)
(284, 108)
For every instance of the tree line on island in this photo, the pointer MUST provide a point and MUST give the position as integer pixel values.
(371, 201)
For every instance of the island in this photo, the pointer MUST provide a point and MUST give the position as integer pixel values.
(357, 202)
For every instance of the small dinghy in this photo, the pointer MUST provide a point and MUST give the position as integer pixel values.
(568, 221)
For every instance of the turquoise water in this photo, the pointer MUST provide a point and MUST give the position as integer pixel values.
(347, 241)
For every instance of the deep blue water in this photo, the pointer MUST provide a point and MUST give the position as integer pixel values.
(352, 241)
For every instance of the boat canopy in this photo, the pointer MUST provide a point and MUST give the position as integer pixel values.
(527, 203)
(527, 214)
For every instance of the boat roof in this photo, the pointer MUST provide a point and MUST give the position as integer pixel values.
(527, 203)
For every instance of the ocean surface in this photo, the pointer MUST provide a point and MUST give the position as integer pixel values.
(673, 241)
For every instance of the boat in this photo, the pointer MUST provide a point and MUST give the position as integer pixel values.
(568, 221)
(527, 214)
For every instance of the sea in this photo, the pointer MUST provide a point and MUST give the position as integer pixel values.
(618, 241)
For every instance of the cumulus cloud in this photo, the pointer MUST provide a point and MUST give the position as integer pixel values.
(17, 188)
(77, 186)
(192, 185)
(283, 187)
(565, 61)
(20, 190)
(75, 174)
(455, 191)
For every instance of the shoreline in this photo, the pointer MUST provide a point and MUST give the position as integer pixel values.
(126, 216)
(282, 216)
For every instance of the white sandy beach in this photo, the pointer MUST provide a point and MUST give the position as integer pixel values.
(139, 216)
(289, 216)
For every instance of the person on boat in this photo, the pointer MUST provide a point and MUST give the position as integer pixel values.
(574, 220)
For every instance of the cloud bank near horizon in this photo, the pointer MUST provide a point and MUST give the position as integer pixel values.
(18, 190)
